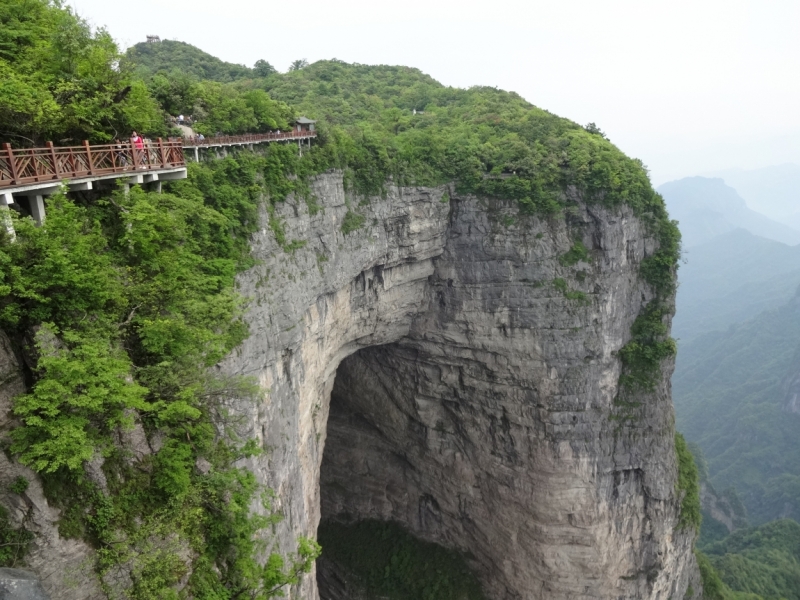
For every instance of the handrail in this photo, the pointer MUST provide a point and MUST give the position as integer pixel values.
(222, 140)
(53, 163)
(22, 166)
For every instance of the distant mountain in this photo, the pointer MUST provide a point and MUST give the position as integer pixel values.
(773, 191)
(706, 208)
(730, 391)
(169, 56)
(731, 279)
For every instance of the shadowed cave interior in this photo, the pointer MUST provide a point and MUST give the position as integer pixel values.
(382, 531)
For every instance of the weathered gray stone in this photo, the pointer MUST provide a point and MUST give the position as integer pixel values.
(65, 567)
(477, 402)
(17, 584)
(474, 402)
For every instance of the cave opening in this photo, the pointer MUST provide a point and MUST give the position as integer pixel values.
(383, 528)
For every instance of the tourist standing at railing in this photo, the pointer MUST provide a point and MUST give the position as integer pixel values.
(122, 154)
(138, 149)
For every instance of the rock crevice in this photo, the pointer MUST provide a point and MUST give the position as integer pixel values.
(474, 377)
(444, 366)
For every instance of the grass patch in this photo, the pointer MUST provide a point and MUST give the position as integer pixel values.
(352, 221)
(570, 294)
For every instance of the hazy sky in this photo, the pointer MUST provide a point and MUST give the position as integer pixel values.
(687, 86)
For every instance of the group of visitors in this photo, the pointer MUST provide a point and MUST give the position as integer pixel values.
(124, 154)
(181, 120)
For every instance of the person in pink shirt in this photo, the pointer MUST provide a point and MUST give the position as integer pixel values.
(138, 143)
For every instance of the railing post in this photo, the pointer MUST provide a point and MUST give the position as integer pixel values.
(53, 159)
(88, 156)
(161, 153)
(134, 155)
(12, 165)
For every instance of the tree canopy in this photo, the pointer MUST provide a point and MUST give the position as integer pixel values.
(61, 81)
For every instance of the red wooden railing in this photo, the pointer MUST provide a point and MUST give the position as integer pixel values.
(38, 165)
(247, 139)
(53, 163)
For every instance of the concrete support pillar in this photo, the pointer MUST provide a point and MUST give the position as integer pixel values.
(126, 188)
(37, 208)
(156, 187)
(196, 154)
(5, 214)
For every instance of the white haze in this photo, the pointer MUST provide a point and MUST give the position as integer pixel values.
(687, 86)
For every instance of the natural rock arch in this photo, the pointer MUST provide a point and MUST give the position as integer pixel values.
(492, 383)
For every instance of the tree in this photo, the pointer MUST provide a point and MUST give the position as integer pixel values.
(61, 80)
(298, 64)
(594, 129)
(263, 69)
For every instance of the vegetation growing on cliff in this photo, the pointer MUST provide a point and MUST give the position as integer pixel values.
(688, 485)
(129, 301)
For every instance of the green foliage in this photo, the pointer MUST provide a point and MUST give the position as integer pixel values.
(688, 485)
(730, 394)
(223, 109)
(577, 253)
(263, 69)
(169, 55)
(763, 561)
(562, 286)
(14, 542)
(131, 300)
(19, 485)
(649, 345)
(61, 81)
(713, 588)
(352, 221)
(389, 562)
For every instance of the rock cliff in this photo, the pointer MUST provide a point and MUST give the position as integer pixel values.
(473, 377)
(444, 367)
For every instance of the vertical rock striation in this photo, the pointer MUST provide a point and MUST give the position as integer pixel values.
(444, 366)
(476, 395)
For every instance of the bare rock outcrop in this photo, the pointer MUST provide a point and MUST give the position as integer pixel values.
(476, 387)
(444, 367)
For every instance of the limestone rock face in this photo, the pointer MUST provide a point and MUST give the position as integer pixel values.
(445, 367)
(475, 394)
(17, 584)
(64, 566)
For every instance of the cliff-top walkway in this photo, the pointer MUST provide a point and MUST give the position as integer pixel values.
(29, 174)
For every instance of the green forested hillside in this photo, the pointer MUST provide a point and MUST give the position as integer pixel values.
(170, 55)
(728, 392)
(762, 560)
(732, 279)
(61, 81)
